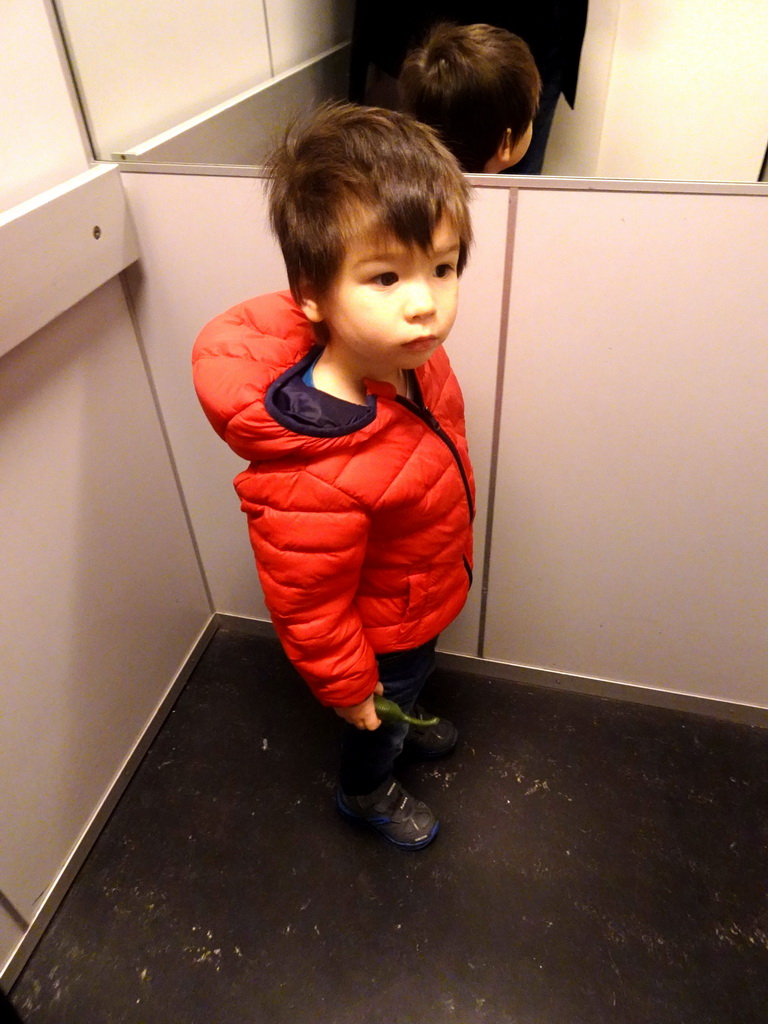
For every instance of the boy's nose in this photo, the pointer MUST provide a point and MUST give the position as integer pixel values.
(420, 301)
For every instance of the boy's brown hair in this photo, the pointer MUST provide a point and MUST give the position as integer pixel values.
(346, 169)
(472, 83)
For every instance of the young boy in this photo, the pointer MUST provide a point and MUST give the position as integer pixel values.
(478, 85)
(359, 490)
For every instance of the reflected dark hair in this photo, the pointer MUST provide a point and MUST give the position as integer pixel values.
(347, 169)
(471, 83)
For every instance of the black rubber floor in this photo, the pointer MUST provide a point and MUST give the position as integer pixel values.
(597, 862)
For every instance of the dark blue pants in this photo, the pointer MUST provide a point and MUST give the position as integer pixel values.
(367, 758)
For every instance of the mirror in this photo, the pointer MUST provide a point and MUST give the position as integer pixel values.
(667, 90)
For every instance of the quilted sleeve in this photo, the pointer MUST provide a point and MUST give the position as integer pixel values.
(309, 558)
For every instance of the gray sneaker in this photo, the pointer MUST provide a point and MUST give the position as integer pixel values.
(431, 741)
(401, 819)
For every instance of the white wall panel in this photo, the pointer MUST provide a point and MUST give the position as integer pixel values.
(630, 537)
(41, 140)
(668, 90)
(102, 598)
(204, 245)
(244, 130)
(688, 93)
(300, 29)
(473, 347)
(144, 67)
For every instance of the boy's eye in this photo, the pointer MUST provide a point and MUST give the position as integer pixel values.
(443, 269)
(389, 277)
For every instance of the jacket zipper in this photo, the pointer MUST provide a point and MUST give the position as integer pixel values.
(426, 416)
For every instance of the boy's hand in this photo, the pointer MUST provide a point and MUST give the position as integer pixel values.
(362, 716)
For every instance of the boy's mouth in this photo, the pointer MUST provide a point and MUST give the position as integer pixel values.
(420, 344)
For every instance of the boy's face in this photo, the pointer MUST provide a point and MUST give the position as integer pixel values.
(390, 307)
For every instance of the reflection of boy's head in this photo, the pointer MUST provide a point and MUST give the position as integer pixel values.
(349, 170)
(474, 84)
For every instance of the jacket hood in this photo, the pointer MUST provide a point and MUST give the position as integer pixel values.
(248, 365)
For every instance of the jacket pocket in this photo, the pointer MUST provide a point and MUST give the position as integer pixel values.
(419, 593)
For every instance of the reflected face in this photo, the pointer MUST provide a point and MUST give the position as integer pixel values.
(390, 306)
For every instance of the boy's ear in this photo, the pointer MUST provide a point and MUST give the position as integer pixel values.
(504, 155)
(506, 147)
(310, 305)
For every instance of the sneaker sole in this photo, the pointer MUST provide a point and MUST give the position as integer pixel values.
(376, 826)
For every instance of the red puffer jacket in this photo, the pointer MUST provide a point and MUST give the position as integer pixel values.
(359, 516)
